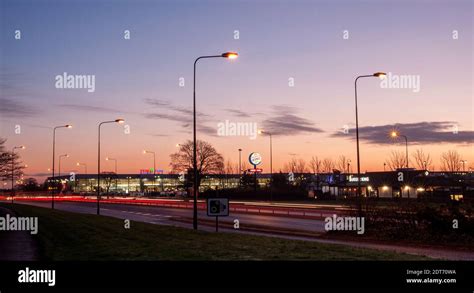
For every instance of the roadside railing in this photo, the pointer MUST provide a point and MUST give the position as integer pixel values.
(247, 208)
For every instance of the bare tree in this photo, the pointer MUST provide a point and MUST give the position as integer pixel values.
(5, 159)
(9, 162)
(343, 163)
(423, 161)
(108, 179)
(397, 160)
(290, 166)
(328, 165)
(300, 166)
(451, 161)
(315, 165)
(231, 168)
(209, 161)
(295, 166)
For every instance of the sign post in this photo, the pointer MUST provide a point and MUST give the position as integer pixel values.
(217, 207)
(255, 159)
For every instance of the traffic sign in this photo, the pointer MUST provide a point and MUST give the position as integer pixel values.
(255, 170)
(217, 207)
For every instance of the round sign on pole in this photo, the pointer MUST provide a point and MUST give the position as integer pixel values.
(255, 159)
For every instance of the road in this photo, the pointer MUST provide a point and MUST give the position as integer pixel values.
(179, 217)
(182, 218)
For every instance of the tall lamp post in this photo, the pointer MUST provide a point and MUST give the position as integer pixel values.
(59, 171)
(396, 134)
(60, 157)
(116, 174)
(120, 121)
(54, 156)
(240, 166)
(21, 147)
(128, 184)
(84, 165)
(228, 55)
(348, 166)
(359, 193)
(271, 162)
(85, 169)
(154, 167)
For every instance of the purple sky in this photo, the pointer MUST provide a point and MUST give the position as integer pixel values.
(138, 79)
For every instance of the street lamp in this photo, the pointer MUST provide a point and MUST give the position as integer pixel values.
(115, 161)
(59, 171)
(395, 134)
(348, 166)
(359, 194)
(21, 147)
(116, 174)
(60, 157)
(84, 165)
(128, 184)
(54, 157)
(85, 169)
(271, 162)
(120, 121)
(154, 167)
(228, 55)
(240, 162)
(240, 167)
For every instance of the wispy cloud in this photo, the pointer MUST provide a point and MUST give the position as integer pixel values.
(419, 132)
(89, 108)
(167, 105)
(285, 121)
(179, 114)
(13, 83)
(238, 113)
(13, 91)
(158, 135)
(169, 117)
(10, 108)
(157, 102)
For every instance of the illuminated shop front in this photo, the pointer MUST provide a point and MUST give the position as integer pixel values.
(403, 183)
(393, 184)
(146, 183)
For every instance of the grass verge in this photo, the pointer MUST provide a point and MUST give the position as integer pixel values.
(71, 236)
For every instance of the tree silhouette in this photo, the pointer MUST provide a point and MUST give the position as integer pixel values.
(343, 163)
(450, 161)
(397, 160)
(423, 161)
(328, 165)
(9, 161)
(315, 165)
(209, 161)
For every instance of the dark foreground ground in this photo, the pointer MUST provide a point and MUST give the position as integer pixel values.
(70, 236)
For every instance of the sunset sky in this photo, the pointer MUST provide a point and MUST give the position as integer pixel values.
(138, 79)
